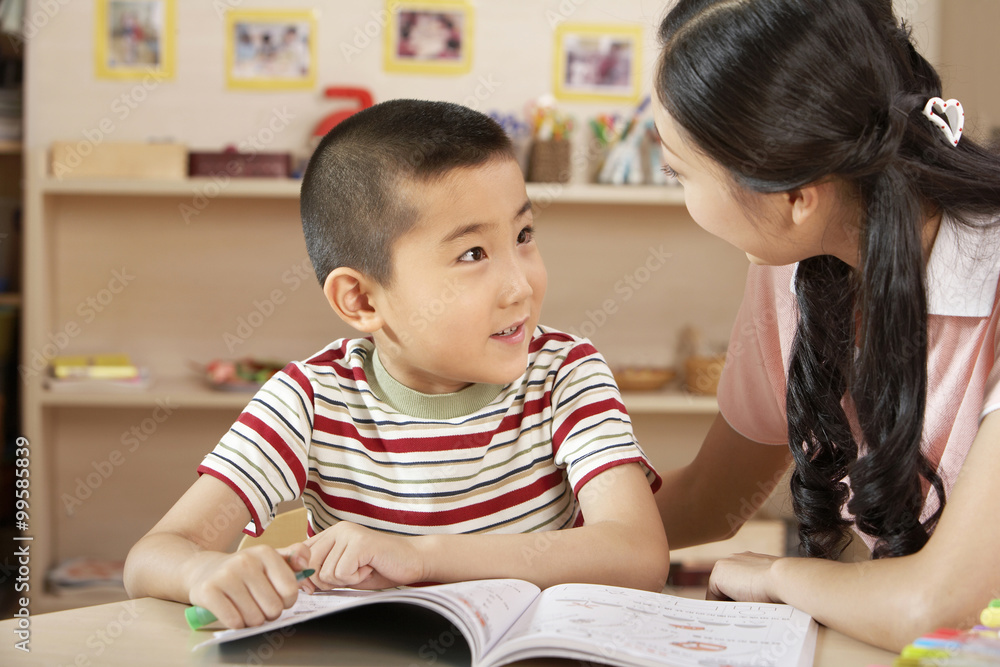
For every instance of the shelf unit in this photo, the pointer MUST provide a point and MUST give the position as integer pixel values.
(543, 194)
(80, 231)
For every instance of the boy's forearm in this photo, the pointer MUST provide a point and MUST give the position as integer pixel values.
(161, 565)
(606, 553)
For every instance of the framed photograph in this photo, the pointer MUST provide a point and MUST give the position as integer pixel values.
(271, 49)
(430, 37)
(598, 63)
(134, 39)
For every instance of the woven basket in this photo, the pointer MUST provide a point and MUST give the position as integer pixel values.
(701, 374)
(549, 162)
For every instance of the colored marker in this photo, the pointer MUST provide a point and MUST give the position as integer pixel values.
(198, 617)
(972, 646)
(990, 616)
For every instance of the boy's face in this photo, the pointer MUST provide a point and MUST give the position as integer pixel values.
(468, 283)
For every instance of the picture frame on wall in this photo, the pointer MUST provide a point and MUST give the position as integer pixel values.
(271, 49)
(598, 63)
(134, 39)
(429, 37)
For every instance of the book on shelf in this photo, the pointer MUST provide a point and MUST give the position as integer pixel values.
(139, 382)
(94, 366)
(506, 620)
(96, 373)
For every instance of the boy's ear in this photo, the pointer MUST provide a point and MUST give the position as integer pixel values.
(349, 294)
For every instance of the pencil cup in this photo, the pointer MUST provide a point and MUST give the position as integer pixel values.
(701, 374)
(597, 153)
(522, 151)
(549, 161)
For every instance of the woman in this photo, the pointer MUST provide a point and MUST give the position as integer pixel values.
(807, 134)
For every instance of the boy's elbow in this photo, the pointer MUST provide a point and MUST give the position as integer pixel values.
(653, 565)
(131, 576)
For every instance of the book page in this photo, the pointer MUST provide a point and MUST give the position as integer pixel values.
(492, 606)
(481, 610)
(619, 626)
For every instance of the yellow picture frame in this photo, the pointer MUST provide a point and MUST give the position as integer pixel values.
(598, 62)
(429, 37)
(271, 49)
(134, 39)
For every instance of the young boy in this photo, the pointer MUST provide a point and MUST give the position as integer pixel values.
(438, 446)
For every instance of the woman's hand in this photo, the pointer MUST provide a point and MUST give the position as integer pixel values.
(250, 586)
(353, 556)
(745, 577)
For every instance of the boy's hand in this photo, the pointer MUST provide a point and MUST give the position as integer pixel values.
(250, 586)
(349, 555)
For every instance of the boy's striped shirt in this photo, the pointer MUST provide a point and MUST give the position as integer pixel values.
(513, 462)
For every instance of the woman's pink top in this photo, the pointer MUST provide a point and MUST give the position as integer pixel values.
(963, 379)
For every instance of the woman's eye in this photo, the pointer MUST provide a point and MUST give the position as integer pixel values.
(473, 255)
(526, 235)
(669, 171)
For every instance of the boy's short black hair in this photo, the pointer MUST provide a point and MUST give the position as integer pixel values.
(353, 202)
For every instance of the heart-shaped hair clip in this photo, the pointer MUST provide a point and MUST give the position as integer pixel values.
(952, 111)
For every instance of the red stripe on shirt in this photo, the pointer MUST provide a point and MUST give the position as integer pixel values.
(432, 443)
(205, 470)
(654, 485)
(262, 429)
(443, 517)
(608, 405)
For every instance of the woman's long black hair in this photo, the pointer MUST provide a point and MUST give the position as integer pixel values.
(787, 93)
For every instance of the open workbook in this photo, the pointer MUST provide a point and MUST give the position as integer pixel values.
(505, 620)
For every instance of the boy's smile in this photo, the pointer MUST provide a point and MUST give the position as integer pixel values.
(468, 283)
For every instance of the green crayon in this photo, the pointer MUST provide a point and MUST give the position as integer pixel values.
(198, 617)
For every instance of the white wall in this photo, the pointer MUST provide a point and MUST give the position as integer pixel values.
(512, 63)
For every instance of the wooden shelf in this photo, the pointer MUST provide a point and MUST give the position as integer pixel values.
(669, 401)
(542, 194)
(279, 188)
(10, 147)
(191, 393)
(181, 392)
(618, 195)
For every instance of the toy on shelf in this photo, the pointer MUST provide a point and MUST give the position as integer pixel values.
(361, 97)
(247, 374)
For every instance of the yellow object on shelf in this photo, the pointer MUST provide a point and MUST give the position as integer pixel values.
(95, 366)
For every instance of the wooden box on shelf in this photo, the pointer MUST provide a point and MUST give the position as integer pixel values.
(83, 159)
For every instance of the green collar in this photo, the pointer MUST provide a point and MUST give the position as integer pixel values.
(426, 406)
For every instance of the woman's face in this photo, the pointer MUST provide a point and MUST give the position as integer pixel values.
(771, 236)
